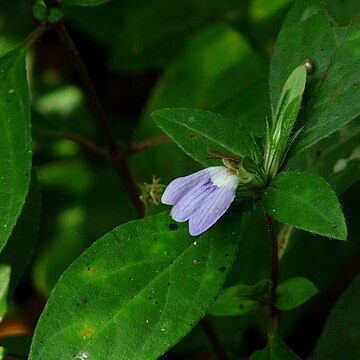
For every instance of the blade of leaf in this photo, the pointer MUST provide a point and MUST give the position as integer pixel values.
(136, 291)
(18, 250)
(332, 90)
(196, 131)
(241, 299)
(15, 144)
(293, 292)
(276, 349)
(307, 202)
(340, 337)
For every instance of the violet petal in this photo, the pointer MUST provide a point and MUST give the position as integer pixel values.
(192, 201)
(211, 209)
(179, 187)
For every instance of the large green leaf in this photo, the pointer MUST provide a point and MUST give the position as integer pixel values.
(15, 140)
(341, 337)
(276, 349)
(18, 250)
(307, 202)
(197, 131)
(136, 291)
(333, 88)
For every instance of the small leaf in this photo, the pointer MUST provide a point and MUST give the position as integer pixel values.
(84, 2)
(140, 288)
(15, 140)
(293, 292)
(5, 271)
(241, 299)
(276, 349)
(307, 202)
(340, 338)
(197, 131)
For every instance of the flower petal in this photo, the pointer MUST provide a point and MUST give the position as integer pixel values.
(211, 209)
(179, 187)
(192, 201)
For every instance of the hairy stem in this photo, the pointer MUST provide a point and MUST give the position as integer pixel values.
(37, 34)
(117, 157)
(145, 144)
(85, 144)
(274, 274)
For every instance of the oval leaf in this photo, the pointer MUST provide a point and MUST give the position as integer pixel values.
(307, 202)
(197, 132)
(15, 140)
(293, 292)
(136, 291)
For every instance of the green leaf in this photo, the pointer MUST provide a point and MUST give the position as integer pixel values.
(341, 337)
(241, 299)
(15, 140)
(197, 131)
(84, 2)
(293, 292)
(18, 250)
(276, 349)
(334, 87)
(136, 291)
(5, 271)
(307, 202)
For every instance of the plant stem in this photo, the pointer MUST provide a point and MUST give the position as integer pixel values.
(145, 144)
(85, 144)
(117, 157)
(37, 34)
(274, 274)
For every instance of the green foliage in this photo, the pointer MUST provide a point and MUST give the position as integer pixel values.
(333, 88)
(17, 252)
(293, 292)
(152, 263)
(307, 202)
(340, 337)
(241, 299)
(15, 145)
(276, 349)
(200, 68)
(197, 132)
(5, 272)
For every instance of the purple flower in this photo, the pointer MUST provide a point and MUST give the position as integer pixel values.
(202, 197)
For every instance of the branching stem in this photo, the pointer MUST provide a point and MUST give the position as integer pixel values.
(117, 157)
